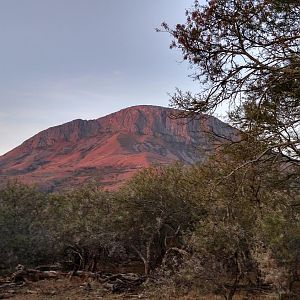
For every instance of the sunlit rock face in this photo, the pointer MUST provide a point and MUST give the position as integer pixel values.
(112, 148)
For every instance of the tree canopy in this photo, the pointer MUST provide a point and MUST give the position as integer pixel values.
(245, 53)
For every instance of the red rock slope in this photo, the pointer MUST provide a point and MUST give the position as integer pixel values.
(110, 149)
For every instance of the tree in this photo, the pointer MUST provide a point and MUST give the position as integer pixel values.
(246, 53)
(248, 217)
(154, 209)
(80, 225)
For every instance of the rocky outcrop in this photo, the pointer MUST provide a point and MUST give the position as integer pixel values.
(112, 148)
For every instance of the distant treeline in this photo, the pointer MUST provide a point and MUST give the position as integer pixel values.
(220, 227)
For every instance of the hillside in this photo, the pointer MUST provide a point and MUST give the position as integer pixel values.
(112, 148)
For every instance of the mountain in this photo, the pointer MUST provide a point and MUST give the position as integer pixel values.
(112, 148)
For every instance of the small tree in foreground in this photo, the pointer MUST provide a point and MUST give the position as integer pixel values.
(80, 226)
(154, 209)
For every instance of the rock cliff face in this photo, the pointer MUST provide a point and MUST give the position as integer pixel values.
(112, 148)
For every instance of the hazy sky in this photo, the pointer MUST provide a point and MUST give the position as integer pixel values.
(66, 59)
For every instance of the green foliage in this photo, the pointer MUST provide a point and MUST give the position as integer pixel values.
(22, 231)
(80, 215)
(81, 222)
(38, 228)
(215, 227)
(249, 222)
(155, 208)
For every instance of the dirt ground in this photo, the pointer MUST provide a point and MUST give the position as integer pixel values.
(76, 288)
(62, 289)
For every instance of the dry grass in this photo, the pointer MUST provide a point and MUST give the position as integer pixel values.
(77, 289)
(61, 289)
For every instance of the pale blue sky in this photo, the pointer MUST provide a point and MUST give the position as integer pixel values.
(67, 59)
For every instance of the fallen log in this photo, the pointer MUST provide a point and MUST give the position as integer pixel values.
(11, 285)
(55, 267)
(120, 283)
(24, 275)
(116, 283)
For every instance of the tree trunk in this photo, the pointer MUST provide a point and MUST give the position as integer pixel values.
(144, 260)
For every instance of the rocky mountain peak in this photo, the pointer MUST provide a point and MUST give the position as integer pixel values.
(112, 148)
